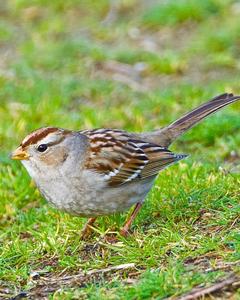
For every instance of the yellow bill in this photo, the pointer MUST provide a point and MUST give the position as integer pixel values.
(19, 154)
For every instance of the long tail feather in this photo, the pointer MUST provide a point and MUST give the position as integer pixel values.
(167, 135)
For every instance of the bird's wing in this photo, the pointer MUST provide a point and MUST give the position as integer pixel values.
(122, 159)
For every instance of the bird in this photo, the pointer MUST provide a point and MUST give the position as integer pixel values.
(98, 172)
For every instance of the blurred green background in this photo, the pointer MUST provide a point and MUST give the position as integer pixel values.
(136, 65)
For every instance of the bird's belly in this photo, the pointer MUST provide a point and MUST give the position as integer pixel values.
(92, 201)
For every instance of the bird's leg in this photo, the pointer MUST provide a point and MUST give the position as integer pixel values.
(124, 231)
(87, 230)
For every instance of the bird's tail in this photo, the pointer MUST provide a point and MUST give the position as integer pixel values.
(167, 135)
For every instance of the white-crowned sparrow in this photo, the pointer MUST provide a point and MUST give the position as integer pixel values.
(102, 171)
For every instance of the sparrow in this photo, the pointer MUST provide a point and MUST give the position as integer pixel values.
(91, 173)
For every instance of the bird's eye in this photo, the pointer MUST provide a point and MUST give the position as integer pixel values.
(42, 148)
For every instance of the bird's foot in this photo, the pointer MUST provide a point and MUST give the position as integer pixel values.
(124, 232)
(87, 229)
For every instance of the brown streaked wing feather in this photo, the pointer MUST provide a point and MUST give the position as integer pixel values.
(122, 159)
(115, 156)
(159, 158)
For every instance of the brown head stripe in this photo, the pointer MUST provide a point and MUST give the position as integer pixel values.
(37, 135)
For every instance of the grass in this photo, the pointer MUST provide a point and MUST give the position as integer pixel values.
(73, 64)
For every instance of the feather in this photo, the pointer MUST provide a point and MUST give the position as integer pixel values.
(122, 159)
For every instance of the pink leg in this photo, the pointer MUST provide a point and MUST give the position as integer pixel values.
(87, 230)
(124, 231)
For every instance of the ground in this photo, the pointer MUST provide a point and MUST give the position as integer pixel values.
(135, 65)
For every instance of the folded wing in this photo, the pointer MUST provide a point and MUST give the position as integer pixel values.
(122, 159)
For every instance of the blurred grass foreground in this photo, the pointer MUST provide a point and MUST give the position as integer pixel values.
(136, 65)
